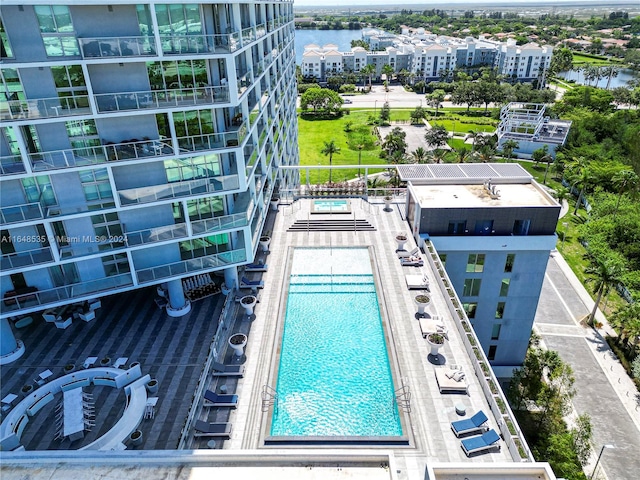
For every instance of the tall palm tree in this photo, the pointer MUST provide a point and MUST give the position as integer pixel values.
(604, 273)
(508, 147)
(388, 71)
(463, 154)
(368, 70)
(580, 177)
(330, 148)
(610, 71)
(625, 180)
(419, 155)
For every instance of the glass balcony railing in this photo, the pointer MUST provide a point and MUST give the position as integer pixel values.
(21, 213)
(213, 141)
(216, 224)
(66, 292)
(156, 234)
(217, 260)
(82, 249)
(248, 35)
(33, 109)
(11, 165)
(117, 47)
(9, 261)
(116, 152)
(125, 101)
(199, 44)
(168, 191)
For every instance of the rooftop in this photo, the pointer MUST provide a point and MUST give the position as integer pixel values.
(470, 196)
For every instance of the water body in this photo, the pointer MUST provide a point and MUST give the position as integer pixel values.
(624, 77)
(342, 38)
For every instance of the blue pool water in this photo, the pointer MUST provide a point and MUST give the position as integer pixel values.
(334, 377)
(335, 206)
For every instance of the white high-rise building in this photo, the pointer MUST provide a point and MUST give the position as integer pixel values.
(140, 144)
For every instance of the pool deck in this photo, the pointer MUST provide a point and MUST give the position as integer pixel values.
(175, 350)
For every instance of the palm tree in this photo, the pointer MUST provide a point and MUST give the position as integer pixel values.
(463, 154)
(368, 70)
(580, 178)
(625, 180)
(486, 153)
(419, 155)
(610, 71)
(626, 320)
(330, 148)
(388, 71)
(508, 147)
(605, 273)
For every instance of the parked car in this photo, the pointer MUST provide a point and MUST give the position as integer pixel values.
(346, 100)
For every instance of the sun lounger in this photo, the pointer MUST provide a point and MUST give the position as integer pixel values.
(411, 261)
(206, 429)
(221, 370)
(467, 426)
(405, 253)
(212, 399)
(256, 267)
(416, 282)
(246, 283)
(432, 325)
(451, 380)
(480, 443)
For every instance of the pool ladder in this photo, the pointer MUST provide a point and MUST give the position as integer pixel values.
(269, 397)
(403, 398)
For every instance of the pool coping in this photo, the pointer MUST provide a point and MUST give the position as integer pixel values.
(266, 440)
(347, 211)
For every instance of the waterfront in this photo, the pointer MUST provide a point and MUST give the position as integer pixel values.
(624, 77)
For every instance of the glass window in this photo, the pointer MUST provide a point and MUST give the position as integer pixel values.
(470, 308)
(521, 227)
(508, 265)
(11, 85)
(95, 184)
(492, 352)
(475, 262)
(471, 287)
(504, 287)
(57, 30)
(39, 190)
(500, 310)
(484, 227)
(495, 331)
(457, 227)
(5, 47)
(116, 264)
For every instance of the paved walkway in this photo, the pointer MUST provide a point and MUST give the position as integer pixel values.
(603, 388)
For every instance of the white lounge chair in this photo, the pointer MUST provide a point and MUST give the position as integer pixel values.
(417, 282)
(451, 380)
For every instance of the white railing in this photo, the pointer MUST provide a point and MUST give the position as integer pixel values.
(200, 44)
(32, 109)
(213, 141)
(36, 256)
(156, 234)
(226, 222)
(21, 213)
(126, 101)
(117, 47)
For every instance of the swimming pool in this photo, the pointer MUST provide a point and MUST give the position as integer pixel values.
(334, 375)
(331, 206)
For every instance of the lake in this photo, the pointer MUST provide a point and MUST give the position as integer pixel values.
(624, 77)
(342, 38)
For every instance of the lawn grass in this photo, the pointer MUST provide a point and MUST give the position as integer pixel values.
(537, 172)
(457, 143)
(579, 59)
(462, 128)
(312, 133)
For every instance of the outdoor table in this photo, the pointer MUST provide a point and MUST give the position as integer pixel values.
(120, 362)
(149, 410)
(73, 414)
(89, 361)
(9, 398)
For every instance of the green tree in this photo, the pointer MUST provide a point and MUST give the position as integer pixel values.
(462, 154)
(604, 273)
(437, 136)
(561, 61)
(625, 181)
(330, 148)
(419, 155)
(508, 147)
(394, 142)
(626, 321)
(368, 71)
(385, 113)
(609, 72)
(417, 115)
(435, 98)
(388, 71)
(580, 177)
(321, 99)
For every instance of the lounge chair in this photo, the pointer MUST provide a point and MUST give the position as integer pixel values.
(221, 370)
(405, 253)
(432, 325)
(417, 282)
(246, 283)
(206, 429)
(256, 267)
(480, 443)
(475, 424)
(212, 399)
(451, 380)
(413, 261)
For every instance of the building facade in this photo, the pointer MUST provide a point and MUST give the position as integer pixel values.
(429, 57)
(493, 227)
(140, 143)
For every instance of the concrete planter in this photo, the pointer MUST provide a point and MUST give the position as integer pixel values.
(264, 243)
(422, 302)
(238, 341)
(401, 239)
(248, 302)
(274, 204)
(435, 341)
(387, 203)
(135, 438)
(152, 386)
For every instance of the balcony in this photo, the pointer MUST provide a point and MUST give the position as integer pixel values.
(109, 47)
(218, 260)
(200, 44)
(21, 213)
(39, 108)
(186, 97)
(67, 292)
(216, 224)
(27, 258)
(213, 141)
(156, 234)
(82, 249)
(168, 191)
(11, 165)
(115, 152)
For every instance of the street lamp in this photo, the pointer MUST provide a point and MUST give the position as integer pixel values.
(598, 460)
(564, 232)
(375, 108)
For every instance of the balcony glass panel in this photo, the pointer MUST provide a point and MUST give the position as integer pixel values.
(218, 260)
(156, 234)
(11, 165)
(117, 47)
(45, 108)
(199, 44)
(109, 102)
(168, 191)
(213, 141)
(226, 222)
(25, 259)
(67, 292)
(21, 213)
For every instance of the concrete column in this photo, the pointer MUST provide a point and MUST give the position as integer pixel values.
(176, 294)
(231, 277)
(10, 348)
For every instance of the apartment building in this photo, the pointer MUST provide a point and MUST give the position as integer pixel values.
(493, 227)
(140, 144)
(430, 57)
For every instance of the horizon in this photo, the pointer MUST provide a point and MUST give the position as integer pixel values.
(425, 4)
